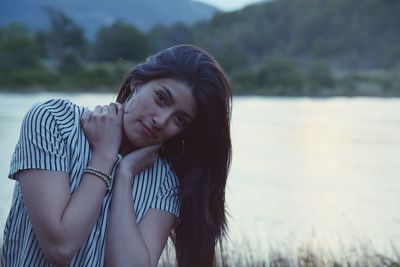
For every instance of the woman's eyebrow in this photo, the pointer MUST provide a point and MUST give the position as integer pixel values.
(173, 100)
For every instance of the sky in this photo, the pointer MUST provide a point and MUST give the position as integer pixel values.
(229, 5)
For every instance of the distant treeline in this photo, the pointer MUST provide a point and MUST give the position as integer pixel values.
(283, 47)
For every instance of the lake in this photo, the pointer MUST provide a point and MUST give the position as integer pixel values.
(305, 171)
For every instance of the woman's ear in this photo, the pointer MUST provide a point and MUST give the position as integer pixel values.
(129, 100)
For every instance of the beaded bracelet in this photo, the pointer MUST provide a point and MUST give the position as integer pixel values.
(103, 176)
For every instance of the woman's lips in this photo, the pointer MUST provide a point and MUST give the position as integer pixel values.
(148, 131)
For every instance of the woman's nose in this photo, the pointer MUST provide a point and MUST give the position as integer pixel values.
(160, 120)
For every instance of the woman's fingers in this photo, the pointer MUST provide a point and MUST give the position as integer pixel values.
(115, 108)
(120, 111)
(104, 110)
(86, 117)
(97, 109)
(111, 111)
(153, 149)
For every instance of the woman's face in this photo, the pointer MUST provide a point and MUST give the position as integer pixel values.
(160, 110)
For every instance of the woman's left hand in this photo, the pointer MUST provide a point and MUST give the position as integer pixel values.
(137, 161)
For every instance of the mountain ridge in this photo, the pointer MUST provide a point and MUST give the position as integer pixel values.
(91, 15)
(342, 33)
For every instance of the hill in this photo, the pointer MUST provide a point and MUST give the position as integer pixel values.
(283, 47)
(92, 14)
(360, 34)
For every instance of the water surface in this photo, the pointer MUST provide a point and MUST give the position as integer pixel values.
(304, 171)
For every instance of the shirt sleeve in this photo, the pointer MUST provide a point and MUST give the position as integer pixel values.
(41, 144)
(168, 196)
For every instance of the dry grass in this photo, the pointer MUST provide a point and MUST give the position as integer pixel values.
(246, 255)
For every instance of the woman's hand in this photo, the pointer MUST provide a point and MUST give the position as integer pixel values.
(137, 161)
(103, 128)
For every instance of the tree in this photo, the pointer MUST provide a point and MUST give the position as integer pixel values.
(319, 76)
(20, 59)
(231, 57)
(280, 72)
(64, 36)
(17, 49)
(121, 41)
(70, 64)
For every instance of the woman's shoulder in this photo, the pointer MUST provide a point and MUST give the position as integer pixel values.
(167, 171)
(56, 105)
(168, 193)
(58, 109)
(59, 114)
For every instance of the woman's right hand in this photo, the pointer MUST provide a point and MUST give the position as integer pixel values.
(103, 128)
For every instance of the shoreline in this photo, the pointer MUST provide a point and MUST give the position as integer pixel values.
(255, 93)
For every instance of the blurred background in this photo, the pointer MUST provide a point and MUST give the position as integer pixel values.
(316, 116)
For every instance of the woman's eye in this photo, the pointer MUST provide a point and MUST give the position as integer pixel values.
(181, 122)
(161, 98)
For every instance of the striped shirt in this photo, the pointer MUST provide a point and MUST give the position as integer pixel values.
(51, 139)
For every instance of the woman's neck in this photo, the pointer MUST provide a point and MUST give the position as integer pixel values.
(126, 146)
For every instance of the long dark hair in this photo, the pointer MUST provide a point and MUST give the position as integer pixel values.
(204, 166)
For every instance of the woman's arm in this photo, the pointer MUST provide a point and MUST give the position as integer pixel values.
(129, 243)
(61, 221)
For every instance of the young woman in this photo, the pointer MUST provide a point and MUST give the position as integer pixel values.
(107, 187)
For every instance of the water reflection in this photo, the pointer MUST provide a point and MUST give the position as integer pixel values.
(323, 170)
